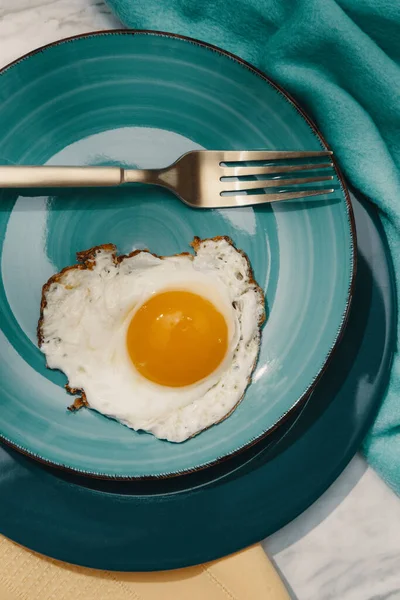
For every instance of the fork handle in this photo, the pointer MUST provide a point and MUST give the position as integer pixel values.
(53, 176)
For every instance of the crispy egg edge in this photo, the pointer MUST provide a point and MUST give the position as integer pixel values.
(87, 260)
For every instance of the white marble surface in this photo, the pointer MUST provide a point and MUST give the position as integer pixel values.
(347, 545)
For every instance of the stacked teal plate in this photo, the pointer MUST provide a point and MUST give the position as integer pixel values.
(140, 98)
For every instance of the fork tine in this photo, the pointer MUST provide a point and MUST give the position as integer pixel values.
(229, 186)
(247, 171)
(248, 155)
(243, 200)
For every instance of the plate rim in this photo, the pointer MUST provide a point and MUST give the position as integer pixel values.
(300, 402)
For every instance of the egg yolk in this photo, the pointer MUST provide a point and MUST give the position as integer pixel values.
(177, 338)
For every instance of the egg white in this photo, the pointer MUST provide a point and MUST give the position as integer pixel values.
(86, 313)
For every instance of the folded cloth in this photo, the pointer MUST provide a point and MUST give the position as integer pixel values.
(341, 60)
(246, 575)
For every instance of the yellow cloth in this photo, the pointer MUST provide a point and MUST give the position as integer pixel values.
(247, 575)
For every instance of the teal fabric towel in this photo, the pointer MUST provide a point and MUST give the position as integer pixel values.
(341, 60)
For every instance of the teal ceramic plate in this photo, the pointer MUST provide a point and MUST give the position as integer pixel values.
(140, 98)
(180, 521)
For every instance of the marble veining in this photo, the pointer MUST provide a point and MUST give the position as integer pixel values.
(347, 545)
(28, 24)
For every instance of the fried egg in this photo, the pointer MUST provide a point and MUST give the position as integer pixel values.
(162, 344)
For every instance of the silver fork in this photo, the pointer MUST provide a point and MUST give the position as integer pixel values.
(201, 179)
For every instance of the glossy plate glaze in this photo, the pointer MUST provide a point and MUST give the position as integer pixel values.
(180, 521)
(143, 99)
